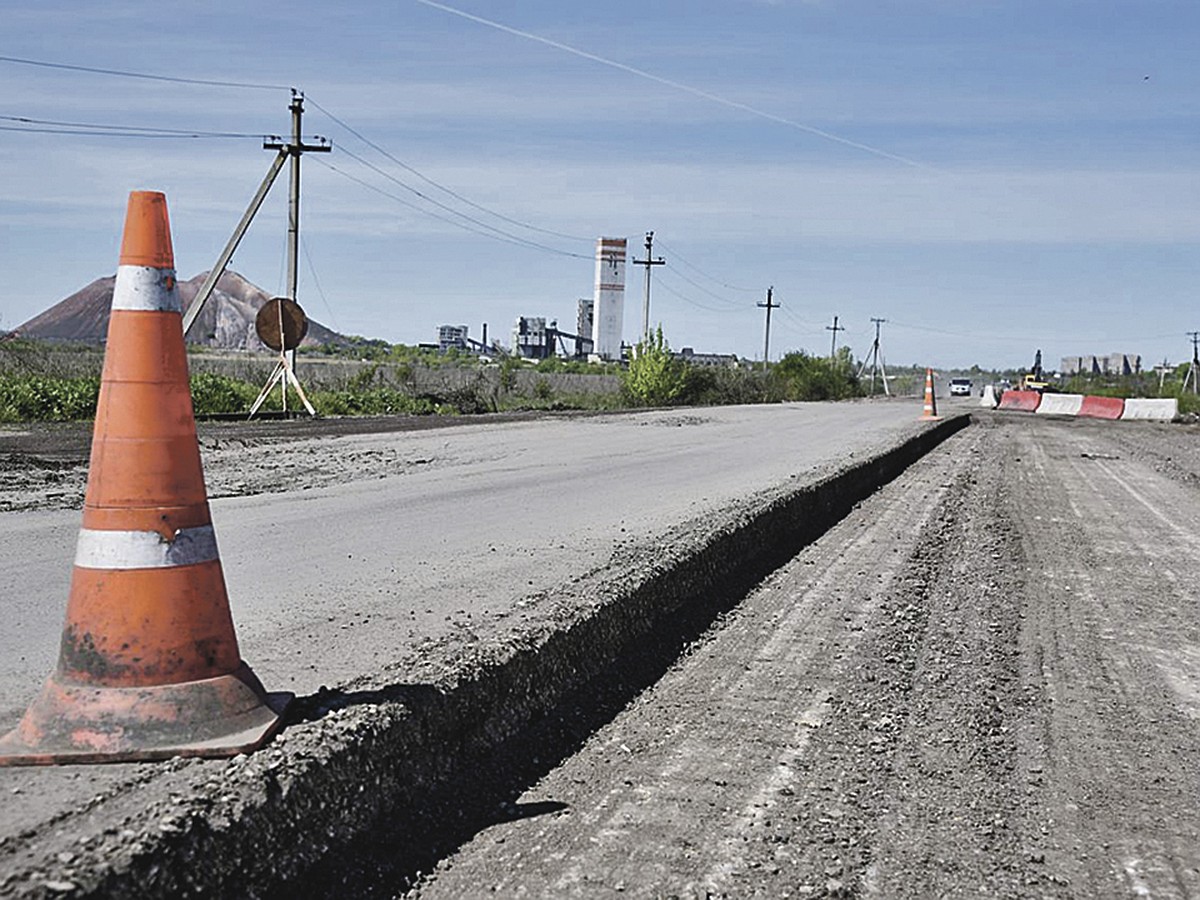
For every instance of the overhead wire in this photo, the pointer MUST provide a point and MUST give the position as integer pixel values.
(126, 130)
(441, 187)
(125, 73)
(449, 221)
(676, 255)
(688, 300)
(317, 282)
(181, 135)
(491, 230)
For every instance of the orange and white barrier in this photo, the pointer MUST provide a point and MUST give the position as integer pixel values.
(1024, 401)
(1101, 407)
(1154, 409)
(1059, 404)
(149, 666)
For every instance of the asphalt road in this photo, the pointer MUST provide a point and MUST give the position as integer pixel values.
(347, 555)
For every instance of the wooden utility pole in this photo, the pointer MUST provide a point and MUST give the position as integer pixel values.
(768, 306)
(648, 262)
(833, 342)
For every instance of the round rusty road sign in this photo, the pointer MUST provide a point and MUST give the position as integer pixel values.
(281, 317)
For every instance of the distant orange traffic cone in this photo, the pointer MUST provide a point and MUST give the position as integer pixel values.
(149, 666)
(930, 413)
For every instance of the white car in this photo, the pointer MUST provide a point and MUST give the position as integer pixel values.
(960, 387)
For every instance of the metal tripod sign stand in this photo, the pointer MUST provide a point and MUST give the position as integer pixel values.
(281, 325)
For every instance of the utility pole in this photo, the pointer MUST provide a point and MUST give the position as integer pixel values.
(1193, 372)
(833, 342)
(648, 262)
(878, 364)
(768, 306)
(283, 151)
(294, 149)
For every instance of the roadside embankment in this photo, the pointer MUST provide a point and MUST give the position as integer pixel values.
(414, 765)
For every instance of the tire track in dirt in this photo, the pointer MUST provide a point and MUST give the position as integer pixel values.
(1116, 632)
(732, 775)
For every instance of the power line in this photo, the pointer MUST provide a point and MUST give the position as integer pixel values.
(670, 290)
(703, 289)
(490, 233)
(190, 135)
(442, 187)
(490, 228)
(150, 131)
(147, 76)
(683, 259)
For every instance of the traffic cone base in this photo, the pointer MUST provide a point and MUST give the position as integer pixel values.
(149, 666)
(77, 723)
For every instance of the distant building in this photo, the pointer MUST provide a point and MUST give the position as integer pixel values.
(608, 311)
(1113, 364)
(584, 323)
(711, 360)
(452, 336)
(531, 339)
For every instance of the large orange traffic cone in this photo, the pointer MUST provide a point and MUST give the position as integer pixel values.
(930, 413)
(149, 666)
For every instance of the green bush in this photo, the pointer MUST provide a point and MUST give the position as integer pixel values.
(799, 376)
(654, 376)
(219, 394)
(29, 398)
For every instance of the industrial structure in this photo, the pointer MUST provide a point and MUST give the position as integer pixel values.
(1113, 364)
(609, 304)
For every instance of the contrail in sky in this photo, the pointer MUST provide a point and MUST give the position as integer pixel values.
(688, 89)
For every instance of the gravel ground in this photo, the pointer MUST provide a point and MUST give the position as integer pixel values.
(985, 682)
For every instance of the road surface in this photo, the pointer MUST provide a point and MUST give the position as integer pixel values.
(349, 558)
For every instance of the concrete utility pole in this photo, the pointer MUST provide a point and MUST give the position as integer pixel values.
(294, 149)
(283, 151)
(833, 342)
(768, 306)
(1193, 372)
(878, 364)
(648, 262)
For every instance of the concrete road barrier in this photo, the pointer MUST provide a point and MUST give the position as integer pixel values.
(988, 398)
(1060, 404)
(1162, 410)
(1024, 401)
(1102, 407)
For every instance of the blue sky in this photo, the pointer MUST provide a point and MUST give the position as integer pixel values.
(989, 177)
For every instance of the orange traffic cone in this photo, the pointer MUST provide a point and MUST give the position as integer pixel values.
(149, 666)
(930, 413)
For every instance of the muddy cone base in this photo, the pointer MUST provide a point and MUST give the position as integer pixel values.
(73, 723)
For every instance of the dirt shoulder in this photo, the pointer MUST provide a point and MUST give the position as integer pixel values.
(983, 682)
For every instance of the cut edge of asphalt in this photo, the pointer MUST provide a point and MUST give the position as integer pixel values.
(421, 765)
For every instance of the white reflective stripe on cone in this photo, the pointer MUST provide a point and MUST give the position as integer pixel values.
(145, 288)
(144, 549)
